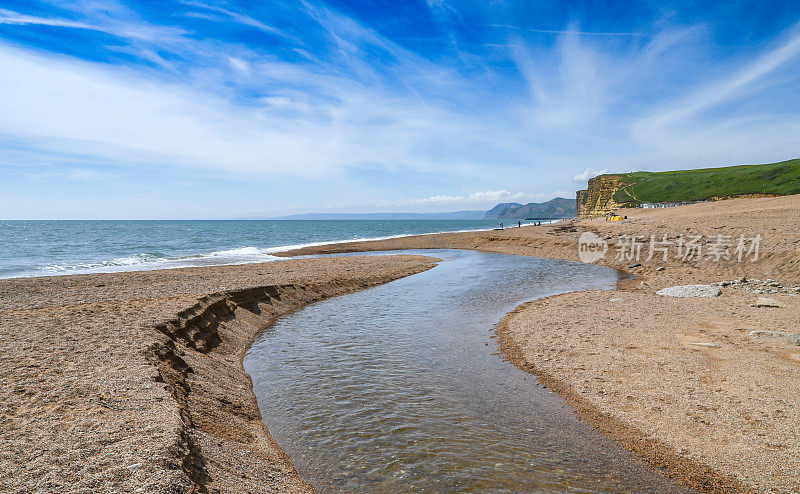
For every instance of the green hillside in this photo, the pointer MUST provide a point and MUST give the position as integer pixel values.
(698, 185)
(552, 209)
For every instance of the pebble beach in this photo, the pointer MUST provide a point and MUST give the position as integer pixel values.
(133, 382)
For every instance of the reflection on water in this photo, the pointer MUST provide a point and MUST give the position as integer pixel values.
(399, 388)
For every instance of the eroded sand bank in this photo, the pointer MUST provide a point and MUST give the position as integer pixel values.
(679, 381)
(133, 382)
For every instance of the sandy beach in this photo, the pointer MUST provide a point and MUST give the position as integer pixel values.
(679, 381)
(337, 247)
(133, 382)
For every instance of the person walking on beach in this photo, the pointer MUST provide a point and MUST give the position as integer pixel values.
(501, 225)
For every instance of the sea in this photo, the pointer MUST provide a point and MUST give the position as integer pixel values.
(47, 248)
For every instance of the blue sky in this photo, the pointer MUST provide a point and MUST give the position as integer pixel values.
(202, 109)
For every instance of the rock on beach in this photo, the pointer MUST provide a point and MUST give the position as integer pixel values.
(769, 302)
(690, 291)
(790, 337)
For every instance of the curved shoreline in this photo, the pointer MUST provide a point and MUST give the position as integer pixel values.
(129, 382)
(221, 328)
(239, 317)
(80, 410)
(743, 449)
(665, 459)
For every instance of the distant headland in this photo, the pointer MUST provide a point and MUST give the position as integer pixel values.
(556, 208)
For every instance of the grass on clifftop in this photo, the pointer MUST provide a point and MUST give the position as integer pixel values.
(698, 185)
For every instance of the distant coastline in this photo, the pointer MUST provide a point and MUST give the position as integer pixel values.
(556, 208)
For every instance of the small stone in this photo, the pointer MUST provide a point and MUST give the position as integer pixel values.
(690, 291)
(791, 337)
(660, 268)
(702, 344)
(743, 279)
(636, 265)
(769, 302)
(724, 283)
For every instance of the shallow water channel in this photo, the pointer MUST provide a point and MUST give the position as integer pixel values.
(399, 388)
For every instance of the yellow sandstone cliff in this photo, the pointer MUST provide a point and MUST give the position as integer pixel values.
(598, 198)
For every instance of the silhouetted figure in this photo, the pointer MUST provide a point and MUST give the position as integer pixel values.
(519, 224)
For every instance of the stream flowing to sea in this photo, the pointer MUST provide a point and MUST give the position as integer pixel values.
(399, 388)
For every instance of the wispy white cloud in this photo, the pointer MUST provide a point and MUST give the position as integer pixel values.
(736, 116)
(482, 197)
(223, 14)
(104, 23)
(232, 15)
(69, 106)
(240, 65)
(726, 88)
(576, 32)
(439, 203)
(72, 174)
(570, 92)
(14, 18)
(531, 114)
(589, 173)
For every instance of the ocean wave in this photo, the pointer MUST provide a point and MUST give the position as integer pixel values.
(133, 260)
(240, 255)
(285, 248)
(241, 251)
(150, 261)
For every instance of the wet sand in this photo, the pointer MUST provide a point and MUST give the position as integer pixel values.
(133, 382)
(676, 380)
